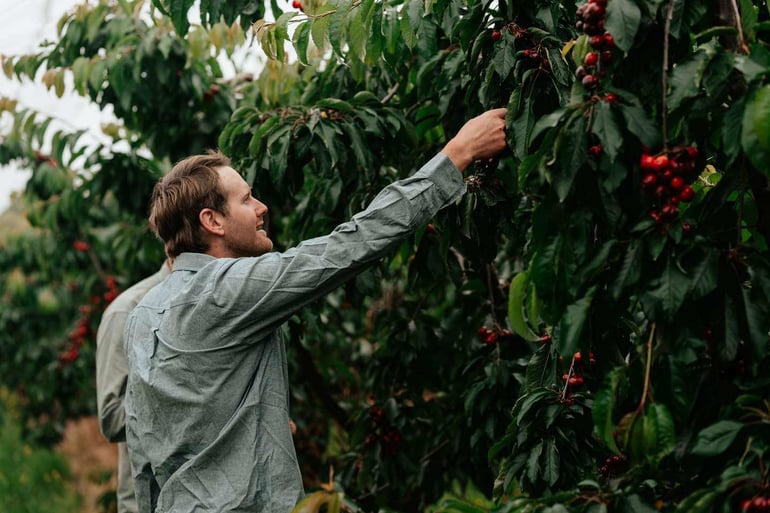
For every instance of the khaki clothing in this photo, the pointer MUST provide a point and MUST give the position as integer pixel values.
(111, 377)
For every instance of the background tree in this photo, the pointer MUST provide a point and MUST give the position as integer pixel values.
(587, 329)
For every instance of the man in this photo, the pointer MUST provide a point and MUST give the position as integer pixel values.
(111, 376)
(207, 400)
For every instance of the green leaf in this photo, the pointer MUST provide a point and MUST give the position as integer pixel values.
(606, 129)
(756, 314)
(408, 35)
(717, 438)
(731, 127)
(757, 152)
(301, 39)
(281, 26)
(178, 11)
(81, 69)
(504, 56)
(551, 462)
(685, 80)
(572, 143)
(537, 368)
(660, 433)
(516, 298)
(638, 122)
(255, 145)
(319, 29)
(631, 269)
(760, 108)
(571, 324)
(634, 504)
(622, 21)
(374, 41)
(527, 401)
(604, 405)
(533, 462)
(671, 289)
(704, 277)
(356, 37)
(559, 67)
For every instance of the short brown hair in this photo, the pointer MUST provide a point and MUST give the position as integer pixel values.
(177, 199)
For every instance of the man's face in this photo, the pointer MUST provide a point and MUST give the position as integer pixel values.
(244, 236)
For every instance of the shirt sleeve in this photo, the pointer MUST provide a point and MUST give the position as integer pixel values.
(253, 295)
(111, 376)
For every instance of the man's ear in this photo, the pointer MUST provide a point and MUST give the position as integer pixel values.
(211, 221)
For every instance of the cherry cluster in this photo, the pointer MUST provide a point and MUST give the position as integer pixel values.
(756, 505)
(613, 465)
(388, 436)
(575, 378)
(536, 55)
(667, 178)
(82, 329)
(591, 21)
(494, 335)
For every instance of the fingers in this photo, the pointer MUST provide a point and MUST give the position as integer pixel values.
(481, 137)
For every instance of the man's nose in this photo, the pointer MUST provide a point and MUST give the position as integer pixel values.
(260, 208)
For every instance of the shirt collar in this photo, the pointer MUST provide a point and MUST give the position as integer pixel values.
(192, 261)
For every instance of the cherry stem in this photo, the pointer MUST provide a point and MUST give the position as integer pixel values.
(647, 370)
(569, 375)
(739, 26)
(492, 306)
(664, 80)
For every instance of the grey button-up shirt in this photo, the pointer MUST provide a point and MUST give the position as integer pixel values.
(207, 400)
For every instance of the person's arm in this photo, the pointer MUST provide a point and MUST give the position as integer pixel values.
(111, 375)
(254, 295)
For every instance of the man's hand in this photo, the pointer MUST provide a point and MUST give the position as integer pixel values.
(480, 138)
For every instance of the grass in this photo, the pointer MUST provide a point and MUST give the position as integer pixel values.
(32, 479)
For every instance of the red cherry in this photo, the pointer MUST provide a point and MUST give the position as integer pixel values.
(606, 56)
(80, 245)
(661, 190)
(577, 357)
(596, 41)
(677, 183)
(667, 175)
(545, 339)
(297, 4)
(590, 81)
(692, 152)
(655, 215)
(572, 381)
(609, 41)
(496, 34)
(660, 163)
(564, 378)
(491, 338)
(647, 162)
(580, 72)
(669, 210)
(649, 180)
(686, 227)
(611, 98)
(687, 194)
(595, 150)
(591, 59)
